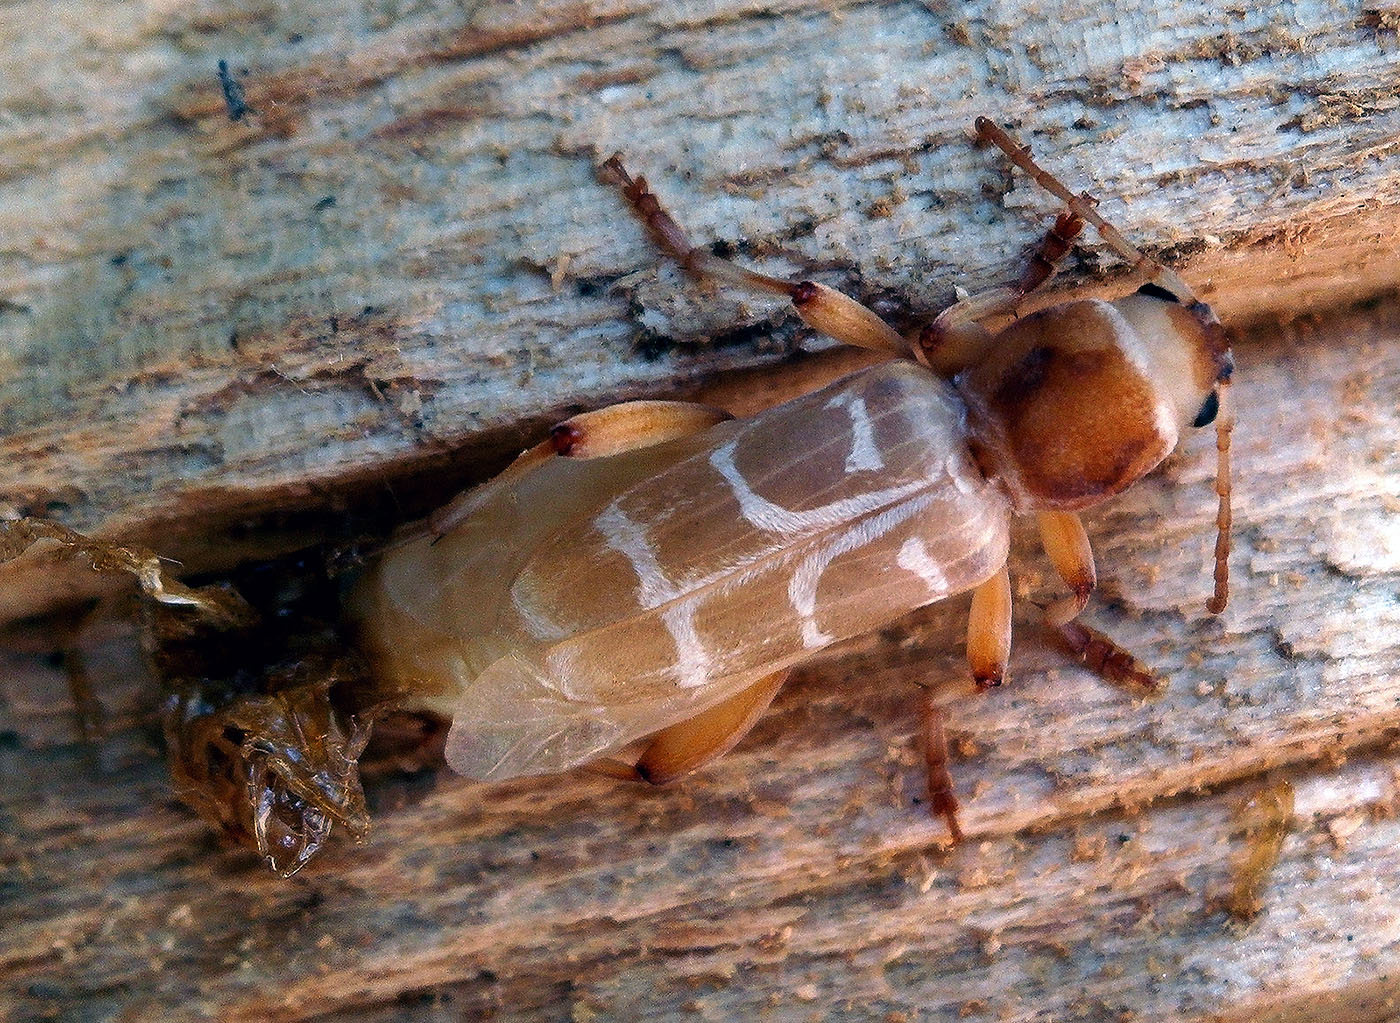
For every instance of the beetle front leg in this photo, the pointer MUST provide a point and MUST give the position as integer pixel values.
(691, 744)
(1067, 545)
(822, 308)
(1082, 207)
(958, 337)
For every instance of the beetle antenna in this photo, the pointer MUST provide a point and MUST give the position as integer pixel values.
(1081, 206)
(1224, 425)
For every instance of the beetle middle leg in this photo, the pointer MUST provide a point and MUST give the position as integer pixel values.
(988, 650)
(820, 307)
(942, 801)
(989, 630)
(1067, 545)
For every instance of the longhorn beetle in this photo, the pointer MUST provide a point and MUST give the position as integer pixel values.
(634, 589)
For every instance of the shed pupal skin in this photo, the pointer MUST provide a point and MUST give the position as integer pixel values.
(633, 590)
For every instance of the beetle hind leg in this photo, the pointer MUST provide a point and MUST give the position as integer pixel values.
(607, 431)
(820, 307)
(693, 743)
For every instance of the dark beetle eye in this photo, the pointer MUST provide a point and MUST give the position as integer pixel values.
(1157, 291)
(1208, 410)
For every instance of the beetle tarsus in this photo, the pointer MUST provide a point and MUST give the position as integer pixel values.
(942, 801)
(945, 805)
(1053, 247)
(1224, 427)
(1110, 661)
(667, 233)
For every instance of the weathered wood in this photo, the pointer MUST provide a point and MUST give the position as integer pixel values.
(401, 254)
(400, 265)
(798, 877)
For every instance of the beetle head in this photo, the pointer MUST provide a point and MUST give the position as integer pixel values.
(1193, 355)
(1187, 346)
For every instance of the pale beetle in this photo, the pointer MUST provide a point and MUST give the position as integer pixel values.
(633, 591)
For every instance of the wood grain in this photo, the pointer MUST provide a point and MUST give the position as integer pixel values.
(222, 337)
(401, 255)
(799, 877)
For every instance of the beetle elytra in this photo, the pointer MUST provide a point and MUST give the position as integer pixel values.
(635, 588)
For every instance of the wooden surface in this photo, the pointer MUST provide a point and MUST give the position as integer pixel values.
(798, 877)
(198, 350)
(401, 254)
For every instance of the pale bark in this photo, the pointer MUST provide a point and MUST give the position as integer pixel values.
(402, 254)
(192, 338)
(799, 876)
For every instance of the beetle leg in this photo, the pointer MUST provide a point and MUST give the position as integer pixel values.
(1068, 547)
(942, 801)
(958, 336)
(1101, 655)
(690, 744)
(87, 708)
(606, 431)
(613, 767)
(820, 307)
(1045, 261)
(1083, 208)
(1224, 426)
(631, 425)
(989, 630)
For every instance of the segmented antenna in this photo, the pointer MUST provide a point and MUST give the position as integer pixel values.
(1081, 206)
(1224, 425)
